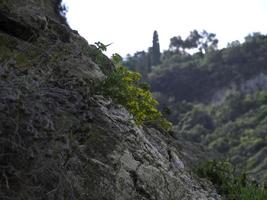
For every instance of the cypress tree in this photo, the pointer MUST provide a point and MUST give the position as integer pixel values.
(155, 57)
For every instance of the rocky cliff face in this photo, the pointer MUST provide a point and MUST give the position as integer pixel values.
(60, 141)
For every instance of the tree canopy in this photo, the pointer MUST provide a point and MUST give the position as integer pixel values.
(155, 56)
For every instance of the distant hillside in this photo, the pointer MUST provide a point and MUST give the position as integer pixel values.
(206, 77)
(236, 128)
(218, 98)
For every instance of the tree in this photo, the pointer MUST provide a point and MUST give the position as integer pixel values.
(140, 61)
(176, 44)
(193, 40)
(155, 57)
(203, 41)
(208, 42)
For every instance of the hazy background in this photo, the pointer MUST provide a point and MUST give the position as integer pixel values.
(129, 24)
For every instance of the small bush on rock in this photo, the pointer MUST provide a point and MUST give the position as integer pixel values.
(123, 87)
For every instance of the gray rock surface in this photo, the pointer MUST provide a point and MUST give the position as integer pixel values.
(59, 141)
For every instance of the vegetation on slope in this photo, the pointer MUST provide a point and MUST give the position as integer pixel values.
(123, 86)
(217, 97)
(235, 128)
(204, 77)
(231, 185)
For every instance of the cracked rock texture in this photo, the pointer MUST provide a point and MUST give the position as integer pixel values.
(59, 141)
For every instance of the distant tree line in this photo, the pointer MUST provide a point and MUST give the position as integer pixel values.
(202, 41)
(143, 61)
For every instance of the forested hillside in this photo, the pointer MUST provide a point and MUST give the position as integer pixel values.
(216, 97)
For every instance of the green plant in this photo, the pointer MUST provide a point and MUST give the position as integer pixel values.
(101, 46)
(95, 52)
(229, 184)
(123, 87)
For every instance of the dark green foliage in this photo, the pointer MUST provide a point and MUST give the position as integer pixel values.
(201, 78)
(196, 124)
(197, 116)
(229, 184)
(202, 41)
(140, 62)
(181, 83)
(155, 57)
(230, 84)
(238, 130)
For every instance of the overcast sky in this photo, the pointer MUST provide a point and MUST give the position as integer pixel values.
(129, 24)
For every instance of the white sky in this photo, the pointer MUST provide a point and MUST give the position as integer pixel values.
(129, 24)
